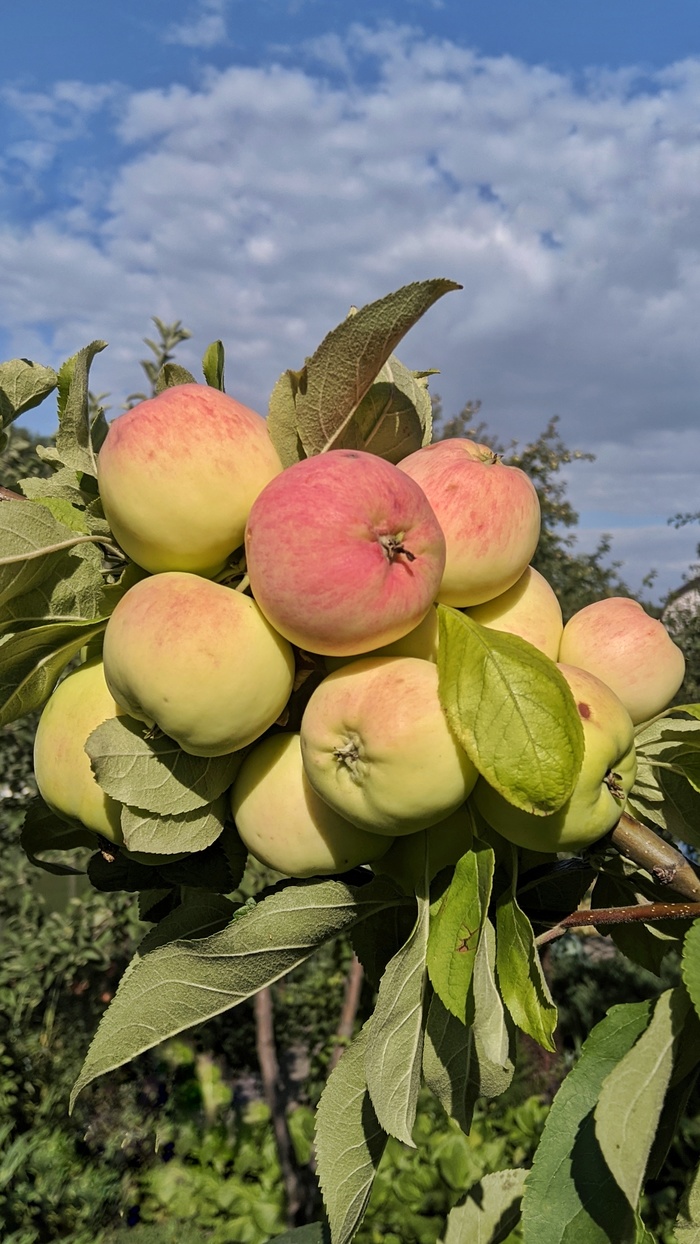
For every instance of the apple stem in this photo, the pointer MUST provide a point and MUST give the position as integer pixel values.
(393, 547)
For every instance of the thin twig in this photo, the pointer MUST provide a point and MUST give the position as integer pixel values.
(641, 912)
(348, 1014)
(270, 1072)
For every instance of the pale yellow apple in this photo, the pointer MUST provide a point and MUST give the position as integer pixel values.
(178, 475)
(199, 661)
(634, 654)
(285, 824)
(61, 765)
(606, 778)
(529, 609)
(421, 642)
(377, 747)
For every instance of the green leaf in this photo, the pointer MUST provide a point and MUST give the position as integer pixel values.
(155, 774)
(493, 1065)
(32, 661)
(682, 806)
(74, 446)
(184, 984)
(571, 1197)
(632, 1095)
(335, 379)
(395, 416)
(690, 964)
(376, 941)
(23, 385)
(395, 1034)
(457, 914)
(687, 1225)
(73, 590)
(674, 1109)
(523, 987)
(32, 543)
(200, 916)
(349, 1143)
(118, 872)
(282, 421)
(42, 831)
(490, 1211)
(446, 1062)
(171, 375)
(213, 365)
(511, 710)
(186, 831)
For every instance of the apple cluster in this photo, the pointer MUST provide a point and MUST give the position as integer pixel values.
(346, 556)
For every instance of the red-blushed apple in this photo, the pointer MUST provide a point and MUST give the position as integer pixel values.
(178, 474)
(529, 609)
(198, 660)
(634, 654)
(344, 553)
(377, 747)
(285, 824)
(421, 642)
(489, 513)
(606, 778)
(61, 765)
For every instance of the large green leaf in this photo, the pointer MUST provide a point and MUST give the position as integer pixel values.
(493, 1063)
(23, 385)
(511, 710)
(446, 1062)
(395, 416)
(690, 964)
(43, 831)
(457, 914)
(199, 916)
(32, 661)
(155, 774)
(395, 1034)
(184, 984)
(571, 1196)
(687, 1225)
(32, 544)
(490, 1210)
(74, 445)
(335, 379)
(186, 831)
(522, 984)
(72, 590)
(349, 1142)
(632, 1095)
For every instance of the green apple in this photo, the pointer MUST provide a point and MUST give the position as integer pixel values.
(285, 824)
(61, 765)
(606, 778)
(377, 747)
(198, 660)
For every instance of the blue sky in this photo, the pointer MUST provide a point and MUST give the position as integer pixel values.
(253, 169)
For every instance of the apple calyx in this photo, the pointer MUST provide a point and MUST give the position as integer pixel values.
(349, 754)
(613, 781)
(393, 548)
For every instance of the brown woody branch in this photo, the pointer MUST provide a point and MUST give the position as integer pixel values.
(6, 494)
(649, 851)
(270, 1073)
(646, 913)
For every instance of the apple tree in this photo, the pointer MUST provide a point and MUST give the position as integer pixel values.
(318, 640)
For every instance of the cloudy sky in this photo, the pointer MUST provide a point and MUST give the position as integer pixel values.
(255, 169)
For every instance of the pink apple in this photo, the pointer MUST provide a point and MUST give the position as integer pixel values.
(529, 609)
(344, 553)
(377, 747)
(634, 654)
(489, 512)
(178, 475)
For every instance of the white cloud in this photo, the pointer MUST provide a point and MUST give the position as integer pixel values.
(205, 29)
(258, 204)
